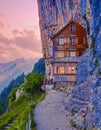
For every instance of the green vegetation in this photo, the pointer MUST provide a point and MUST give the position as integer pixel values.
(96, 63)
(85, 128)
(39, 67)
(72, 111)
(72, 123)
(93, 45)
(34, 81)
(93, 42)
(99, 72)
(5, 93)
(24, 105)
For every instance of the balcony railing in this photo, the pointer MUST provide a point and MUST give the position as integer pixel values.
(64, 78)
(66, 59)
(66, 45)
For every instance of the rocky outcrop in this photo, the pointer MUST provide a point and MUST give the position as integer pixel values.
(19, 92)
(54, 14)
(88, 85)
(80, 106)
(83, 87)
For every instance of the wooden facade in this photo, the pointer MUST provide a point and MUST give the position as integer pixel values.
(68, 45)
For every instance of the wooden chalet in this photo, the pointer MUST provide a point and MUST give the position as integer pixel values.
(68, 45)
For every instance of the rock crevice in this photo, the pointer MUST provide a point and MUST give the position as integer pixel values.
(55, 14)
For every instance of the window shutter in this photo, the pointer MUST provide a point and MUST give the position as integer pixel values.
(55, 69)
(84, 40)
(76, 40)
(68, 40)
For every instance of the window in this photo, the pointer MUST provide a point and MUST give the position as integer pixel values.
(61, 41)
(72, 28)
(72, 41)
(72, 53)
(71, 69)
(61, 70)
(59, 54)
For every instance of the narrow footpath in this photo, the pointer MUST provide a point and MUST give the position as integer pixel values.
(51, 113)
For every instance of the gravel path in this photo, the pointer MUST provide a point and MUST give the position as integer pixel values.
(51, 114)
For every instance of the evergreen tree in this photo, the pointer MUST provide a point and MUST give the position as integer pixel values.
(39, 67)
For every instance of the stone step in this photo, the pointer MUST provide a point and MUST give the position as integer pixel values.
(79, 102)
(9, 125)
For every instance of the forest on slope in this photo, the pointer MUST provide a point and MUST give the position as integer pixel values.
(20, 107)
(39, 67)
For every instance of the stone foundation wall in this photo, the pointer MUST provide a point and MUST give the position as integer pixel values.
(68, 87)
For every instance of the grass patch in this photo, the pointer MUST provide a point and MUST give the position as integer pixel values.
(24, 105)
(93, 45)
(96, 63)
(19, 115)
(73, 124)
(99, 72)
(85, 128)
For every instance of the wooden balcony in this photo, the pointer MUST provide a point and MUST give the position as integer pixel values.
(56, 46)
(66, 59)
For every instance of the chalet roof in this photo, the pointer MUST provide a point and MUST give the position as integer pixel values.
(62, 29)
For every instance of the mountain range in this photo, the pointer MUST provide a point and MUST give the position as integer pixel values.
(13, 69)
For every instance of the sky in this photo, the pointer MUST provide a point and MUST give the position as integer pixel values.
(19, 30)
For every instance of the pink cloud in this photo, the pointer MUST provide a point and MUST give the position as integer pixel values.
(28, 40)
(2, 14)
(16, 32)
(2, 25)
(23, 44)
(4, 39)
(20, 42)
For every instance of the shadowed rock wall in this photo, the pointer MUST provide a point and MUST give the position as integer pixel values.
(55, 14)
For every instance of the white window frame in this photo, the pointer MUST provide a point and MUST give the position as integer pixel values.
(72, 41)
(61, 41)
(72, 54)
(55, 69)
(72, 28)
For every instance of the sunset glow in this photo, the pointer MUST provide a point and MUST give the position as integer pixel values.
(19, 30)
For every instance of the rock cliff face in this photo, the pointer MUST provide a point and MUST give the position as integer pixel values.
(55, 14)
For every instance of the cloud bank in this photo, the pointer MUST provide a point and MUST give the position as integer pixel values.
(24, 43)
